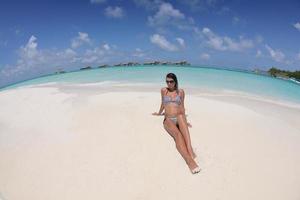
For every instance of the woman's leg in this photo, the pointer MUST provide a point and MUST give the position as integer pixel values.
(186, 135)
(171, 128)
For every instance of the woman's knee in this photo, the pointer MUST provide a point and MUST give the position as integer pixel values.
(179, 140)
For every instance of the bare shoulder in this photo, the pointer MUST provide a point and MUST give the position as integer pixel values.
(163, 89)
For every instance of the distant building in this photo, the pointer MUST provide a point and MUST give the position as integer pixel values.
(84, 68)
(101, 66)
(59, 71)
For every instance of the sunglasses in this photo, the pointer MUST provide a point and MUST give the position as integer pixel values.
(172, 81)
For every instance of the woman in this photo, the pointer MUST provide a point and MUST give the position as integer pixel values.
(175, 121)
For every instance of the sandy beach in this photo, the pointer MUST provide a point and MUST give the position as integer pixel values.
(90, 142)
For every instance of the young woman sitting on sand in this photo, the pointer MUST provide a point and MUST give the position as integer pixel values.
(175, 121)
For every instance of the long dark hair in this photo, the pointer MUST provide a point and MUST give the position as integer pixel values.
(173, 76)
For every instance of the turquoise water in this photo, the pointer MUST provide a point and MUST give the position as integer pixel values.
(206, 78)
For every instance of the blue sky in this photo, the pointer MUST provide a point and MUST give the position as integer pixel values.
(40, 37)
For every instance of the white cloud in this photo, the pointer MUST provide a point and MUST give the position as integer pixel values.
(225, 43)
(81, 39)
(166, 9)
(297, 26)
(138, 53)
(97, 1)
(165, 15)
(30, 49)
(181, 42)
(236, 20)
(97, 55)
(163, 43)
(276, 55)
(258, 53)
(35, 61)
(92, 56)
(40, 61)
(30, 57)
(214, 41)
(106, 47)
(68, 54)
(114, 12)
(205, 56)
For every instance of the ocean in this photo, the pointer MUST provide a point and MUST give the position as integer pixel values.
(204, 78)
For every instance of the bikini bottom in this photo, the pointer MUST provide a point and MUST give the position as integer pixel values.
(174, 119)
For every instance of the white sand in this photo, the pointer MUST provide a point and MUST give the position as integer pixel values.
(88, 143)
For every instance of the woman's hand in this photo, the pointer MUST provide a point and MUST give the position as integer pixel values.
(155, 113)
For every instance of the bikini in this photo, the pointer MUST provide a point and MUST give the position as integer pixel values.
(168, 99)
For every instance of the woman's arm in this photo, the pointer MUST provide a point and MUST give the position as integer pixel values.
(182, 108)
(161, 105)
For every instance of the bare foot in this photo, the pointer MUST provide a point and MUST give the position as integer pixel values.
(194, 168)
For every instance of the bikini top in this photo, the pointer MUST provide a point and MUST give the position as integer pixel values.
(168, 99)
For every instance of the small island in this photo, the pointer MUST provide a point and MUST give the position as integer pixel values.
(127, 64)
(166, 63)
(155, 62)
(84, 68)
(102, 66)
(278, 73)
(284, 74)
(60, 71)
